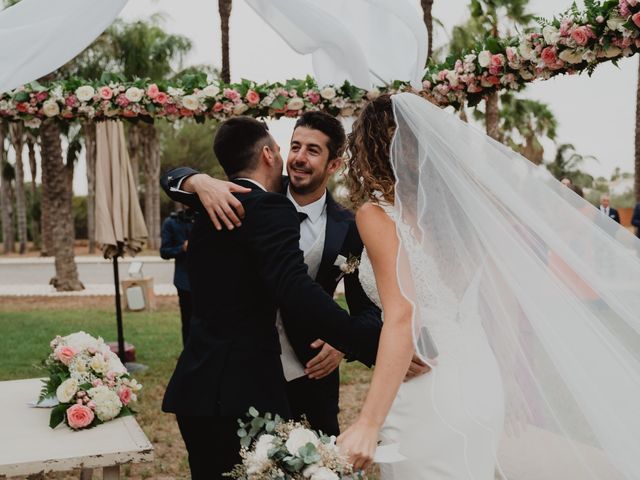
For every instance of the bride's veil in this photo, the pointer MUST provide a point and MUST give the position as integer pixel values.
(556, 285)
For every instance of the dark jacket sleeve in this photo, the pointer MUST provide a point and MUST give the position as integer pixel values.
(272, 233)
(635, 220)
(170, 246)
(616, 215)
(170, 181)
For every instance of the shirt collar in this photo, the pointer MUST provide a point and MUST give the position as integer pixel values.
(257, 184)
(313, 210)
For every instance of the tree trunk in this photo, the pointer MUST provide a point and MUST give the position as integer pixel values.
(90, 146)
(17, 140)
(46, 210)
(427, 8)
(224, 7)
(8, 237)
(152, 184)
(58, 189)
(492, 116)
(637, 177)
(33, 167)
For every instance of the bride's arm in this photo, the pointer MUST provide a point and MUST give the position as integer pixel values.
(395, 349)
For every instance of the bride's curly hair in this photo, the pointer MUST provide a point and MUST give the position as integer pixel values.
(369, 147)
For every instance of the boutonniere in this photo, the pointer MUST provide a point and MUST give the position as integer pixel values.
(346, 265)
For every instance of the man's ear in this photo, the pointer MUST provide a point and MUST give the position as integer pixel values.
(266, 155)
(334, 165)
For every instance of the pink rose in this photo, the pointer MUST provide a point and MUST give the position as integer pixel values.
(624, 8)
(600, 19)
(105, 93)
(124, 394)
(314, 97)
(581, 35)
(71, 101)
(42, 96)
(22, 107)
(79, 416)
(497, 60)
(252, 97)
(217, 107)
(64, 354)
(161, 98)
(153, 91)
(565, 26)
(636, 19)
(170, 109)
(231, 94)
(442, 75)
(122, 100)
(474, 88)
(97, 382)
(512, 55)
(549, 56)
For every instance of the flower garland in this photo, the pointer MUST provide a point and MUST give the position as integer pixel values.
(574, 42)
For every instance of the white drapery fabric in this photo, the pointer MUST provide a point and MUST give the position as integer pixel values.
(557, 287)
(39, 36)
(367, 42)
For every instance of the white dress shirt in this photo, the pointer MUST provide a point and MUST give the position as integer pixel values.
(315, 223)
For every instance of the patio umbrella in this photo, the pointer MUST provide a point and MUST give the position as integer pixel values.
(120, 226)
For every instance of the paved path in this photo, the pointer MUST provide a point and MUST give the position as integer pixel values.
(30, 275)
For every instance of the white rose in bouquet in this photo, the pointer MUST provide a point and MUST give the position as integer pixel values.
(99, 364)
(240, 108)
(81, 341)
(323, 473)
(295, 103)
(484, 58)
(211, 90)
(85, 93)
(298, 438)
(551, 34)
(328, 93)
(67, 389)
(134, 94)
(51, 108)
(190, 102)
(108, 404)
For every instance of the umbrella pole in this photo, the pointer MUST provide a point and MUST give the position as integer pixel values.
(116, 280)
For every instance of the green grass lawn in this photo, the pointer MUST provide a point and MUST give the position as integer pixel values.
(24, 342)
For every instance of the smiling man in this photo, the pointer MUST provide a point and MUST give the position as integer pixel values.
(328, 237)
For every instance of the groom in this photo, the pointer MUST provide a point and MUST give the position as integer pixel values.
(239, 278)
(327, 232)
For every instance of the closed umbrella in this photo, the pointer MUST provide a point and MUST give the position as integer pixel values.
(120, 226)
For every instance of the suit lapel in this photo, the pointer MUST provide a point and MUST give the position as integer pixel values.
(336, 230)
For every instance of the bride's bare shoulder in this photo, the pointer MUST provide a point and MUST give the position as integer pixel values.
(371, 219)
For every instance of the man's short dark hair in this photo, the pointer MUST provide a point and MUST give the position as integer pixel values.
(330, 126)
(238, 142)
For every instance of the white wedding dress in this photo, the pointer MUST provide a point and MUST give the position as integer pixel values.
(448, 422)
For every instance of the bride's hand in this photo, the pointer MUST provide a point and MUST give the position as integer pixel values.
(359, 443)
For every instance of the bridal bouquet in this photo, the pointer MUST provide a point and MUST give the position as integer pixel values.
(88, 380)
(273, 449)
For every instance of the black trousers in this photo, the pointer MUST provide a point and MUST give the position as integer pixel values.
(317, 400)
(184, 299)
(212, 444)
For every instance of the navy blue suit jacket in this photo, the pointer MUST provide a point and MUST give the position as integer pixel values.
(175, 231)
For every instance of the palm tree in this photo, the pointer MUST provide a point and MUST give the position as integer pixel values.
(566, 164)
(224, 7)
(89, 132)
(58, 193)
(17, 140)
(637, 159)
(6, 202)
(427, 9)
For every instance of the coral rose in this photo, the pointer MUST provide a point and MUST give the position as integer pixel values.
(124, 393)
(153, 91)
(549, 56)
(581, 35)
(252, 97)
(79, 416)
(64, 354)
(106, 93)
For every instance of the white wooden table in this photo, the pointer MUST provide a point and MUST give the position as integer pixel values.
(28, 446)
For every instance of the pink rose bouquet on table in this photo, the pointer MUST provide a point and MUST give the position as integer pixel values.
(88, 380)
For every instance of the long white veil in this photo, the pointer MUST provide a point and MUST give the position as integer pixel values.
(559, 292)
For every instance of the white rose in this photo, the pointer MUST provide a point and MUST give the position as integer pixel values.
(612, 51)
(296, 103)
(81, 341)
(298, 438)
(328, 93)
(211, 90)
(240, 108)
(526, 51)
(99, 364)
(175, 92)
(551, 34)
(570, 56)
(114, 363)
(190, 102)
(323, 473)
(134, 94)
(616, 23)
(484, 58)
(85, 93)
(51, 108)
(67, 390)
(108, 405)
(263, 445)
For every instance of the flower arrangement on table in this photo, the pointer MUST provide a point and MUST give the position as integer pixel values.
(273, 449)
(88, 380)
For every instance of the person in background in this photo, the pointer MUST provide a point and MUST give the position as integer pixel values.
(175, 234)
(609, 211)
(566, 181)
(635, 220)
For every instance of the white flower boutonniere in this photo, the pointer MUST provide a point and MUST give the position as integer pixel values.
(346, 265)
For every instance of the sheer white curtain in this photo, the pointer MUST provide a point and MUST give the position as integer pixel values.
(367, 42)
(39, 36)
